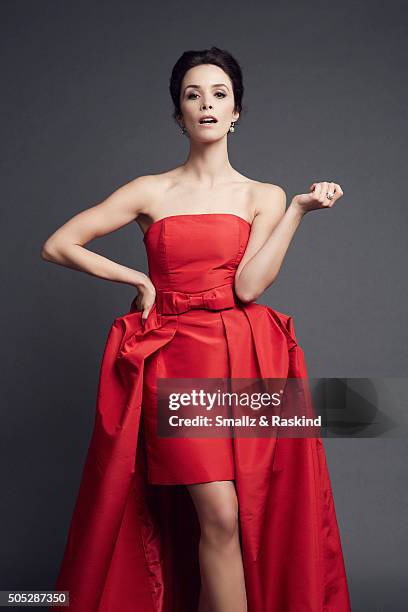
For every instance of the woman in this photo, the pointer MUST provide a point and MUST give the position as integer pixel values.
(263, 536)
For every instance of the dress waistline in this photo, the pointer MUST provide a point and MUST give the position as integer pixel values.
(176, 302)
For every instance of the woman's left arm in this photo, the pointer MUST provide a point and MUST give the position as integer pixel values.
(271, 234)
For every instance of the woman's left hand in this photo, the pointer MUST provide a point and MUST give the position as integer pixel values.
(322, 195)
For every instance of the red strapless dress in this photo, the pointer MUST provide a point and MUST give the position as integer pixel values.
(132, 545)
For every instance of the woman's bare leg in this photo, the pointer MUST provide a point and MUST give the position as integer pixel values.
(222, 574)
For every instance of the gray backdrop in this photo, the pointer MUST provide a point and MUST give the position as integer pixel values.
(85, 108)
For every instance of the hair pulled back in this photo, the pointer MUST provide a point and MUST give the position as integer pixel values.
(216, 56)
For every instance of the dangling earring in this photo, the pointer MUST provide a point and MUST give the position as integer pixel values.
(183, 130)
(232, 128)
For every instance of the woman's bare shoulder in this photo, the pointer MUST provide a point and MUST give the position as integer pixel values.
(144, 184)
(149, 190)
(150, 186)
(265, 194)
(261, 188)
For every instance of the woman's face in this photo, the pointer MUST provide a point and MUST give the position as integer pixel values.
(207, 90)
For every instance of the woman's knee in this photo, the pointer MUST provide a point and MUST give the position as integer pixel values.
(221, 524)
(217, 507)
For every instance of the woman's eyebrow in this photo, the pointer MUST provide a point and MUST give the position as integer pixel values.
(198, 86)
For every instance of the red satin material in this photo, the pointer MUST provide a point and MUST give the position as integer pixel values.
(133, 546)
(177, 302)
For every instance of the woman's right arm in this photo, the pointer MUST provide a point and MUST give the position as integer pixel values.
(66, 245)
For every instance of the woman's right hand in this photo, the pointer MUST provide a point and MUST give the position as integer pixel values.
(145, 298)
(322, 195)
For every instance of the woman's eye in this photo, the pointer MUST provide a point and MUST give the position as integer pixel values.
(218, 92)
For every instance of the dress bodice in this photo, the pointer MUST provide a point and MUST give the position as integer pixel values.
(195, 252)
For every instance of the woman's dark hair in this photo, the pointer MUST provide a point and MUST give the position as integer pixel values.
(216, 56)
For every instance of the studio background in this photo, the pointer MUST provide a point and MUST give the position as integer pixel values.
(85, 109)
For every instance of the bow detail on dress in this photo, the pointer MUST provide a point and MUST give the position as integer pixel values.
(176, 302)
